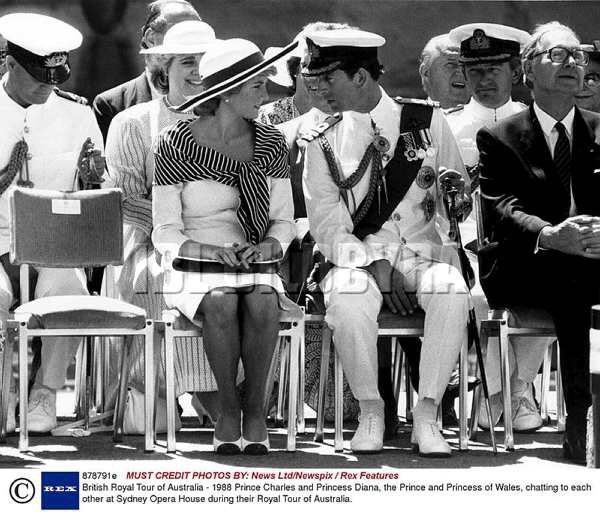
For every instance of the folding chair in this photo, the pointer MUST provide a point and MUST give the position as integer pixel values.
(515, 322)
(56, 229)
(291, 326)
(390, 325)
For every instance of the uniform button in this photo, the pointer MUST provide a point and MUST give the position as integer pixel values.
(396, 216)
(26, 129)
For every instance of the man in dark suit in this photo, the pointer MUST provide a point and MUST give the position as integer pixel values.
(540, 181)
(162, 14)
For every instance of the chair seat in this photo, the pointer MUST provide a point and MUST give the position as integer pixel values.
(389, 320)
(291, 313)
(529, 318)
(82, 311)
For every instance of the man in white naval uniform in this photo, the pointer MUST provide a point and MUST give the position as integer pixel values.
(51, 131)
(490, 55)
(407, 259)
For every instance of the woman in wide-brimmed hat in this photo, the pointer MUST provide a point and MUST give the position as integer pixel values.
(222, 193)
(130, 167)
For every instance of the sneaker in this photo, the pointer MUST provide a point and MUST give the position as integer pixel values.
(495, 406)
(525, 416)
(41, 415)
(371, 425)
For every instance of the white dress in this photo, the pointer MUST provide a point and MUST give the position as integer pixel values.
(206, 210)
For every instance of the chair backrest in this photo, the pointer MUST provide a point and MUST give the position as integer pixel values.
(66, 229)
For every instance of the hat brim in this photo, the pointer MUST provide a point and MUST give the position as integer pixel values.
(234, 81)
(191, 49)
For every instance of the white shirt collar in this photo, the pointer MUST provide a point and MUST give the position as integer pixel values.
(488, 114)
(548, 122)
(385, 112)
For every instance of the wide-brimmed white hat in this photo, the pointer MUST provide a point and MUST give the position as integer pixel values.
(230, 64)
(282, 76)
(188, 37)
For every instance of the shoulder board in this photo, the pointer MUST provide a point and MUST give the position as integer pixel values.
(71, 96)
(319, 130)
(456, 109)
(417, 101)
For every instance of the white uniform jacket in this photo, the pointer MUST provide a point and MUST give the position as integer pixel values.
(408, 236)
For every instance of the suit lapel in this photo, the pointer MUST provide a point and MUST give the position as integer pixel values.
(586, 157)
(140, 91)
(538, 153)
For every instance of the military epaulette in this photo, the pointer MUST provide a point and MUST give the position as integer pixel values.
(418, 101)
(71, 96)
(319, 130)
(455, 109)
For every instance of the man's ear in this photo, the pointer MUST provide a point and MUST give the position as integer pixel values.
(528, 71)
(517, 75)
(361, 77)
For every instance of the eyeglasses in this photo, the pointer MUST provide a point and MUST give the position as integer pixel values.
(559, 55)
(592, 79)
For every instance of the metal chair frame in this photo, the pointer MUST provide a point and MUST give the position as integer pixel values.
(497, 324)
(291, 327)
(396, 333)
(20, 323)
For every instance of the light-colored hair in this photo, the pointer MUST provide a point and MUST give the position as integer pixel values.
(438, 45)
(533, 45)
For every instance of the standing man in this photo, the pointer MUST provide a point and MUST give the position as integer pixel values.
(162, 14)
(540, 187)
(375, 210)
(589, 96)
(441, 75)
(490, 55)
(46, 140)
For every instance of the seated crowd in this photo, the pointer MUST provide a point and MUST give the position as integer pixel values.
(213, 168)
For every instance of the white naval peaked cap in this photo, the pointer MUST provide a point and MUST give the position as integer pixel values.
(187, 37)
(40, 34)
(480, 42)
(346, 37)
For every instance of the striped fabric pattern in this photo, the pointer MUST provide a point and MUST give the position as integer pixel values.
(179, 158)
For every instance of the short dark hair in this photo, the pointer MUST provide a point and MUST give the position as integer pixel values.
(371, 66)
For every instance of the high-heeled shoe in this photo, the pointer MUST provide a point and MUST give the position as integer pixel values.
(250, 447)
(227, 448)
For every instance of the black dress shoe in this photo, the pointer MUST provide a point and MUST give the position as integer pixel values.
(574, 444)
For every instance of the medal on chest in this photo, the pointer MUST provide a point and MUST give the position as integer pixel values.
(417, 143)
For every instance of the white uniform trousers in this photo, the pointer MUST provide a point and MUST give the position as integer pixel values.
(57, 352)
(525, 354)
(353, 302)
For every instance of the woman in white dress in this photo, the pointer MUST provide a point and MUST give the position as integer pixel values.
(222, 192)
(131, 167)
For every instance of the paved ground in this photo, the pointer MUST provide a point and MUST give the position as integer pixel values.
(537, 452)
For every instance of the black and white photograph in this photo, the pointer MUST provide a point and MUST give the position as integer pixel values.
(339, 259)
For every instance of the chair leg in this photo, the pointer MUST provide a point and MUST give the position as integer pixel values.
(7, 358)
(169, 346)
(301, 384)
(122, 394)
(80, 373)
(149, 376)
(509, 443)
(281, 391)
(560, 396)
(323, 373)
(294, 356)
(409, 392)
(23, 387)
(339, 403)
(478, 391)
(397, 374)
(463, 392)
(87, 386)
(545, 389)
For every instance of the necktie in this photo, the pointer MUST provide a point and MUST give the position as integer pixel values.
(562, 156)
